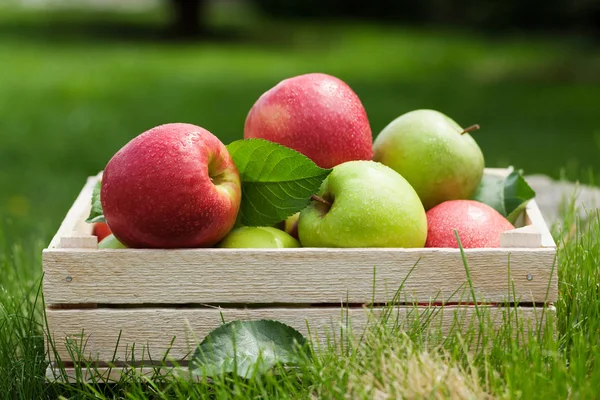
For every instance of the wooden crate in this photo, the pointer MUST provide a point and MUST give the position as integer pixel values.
(148, 297)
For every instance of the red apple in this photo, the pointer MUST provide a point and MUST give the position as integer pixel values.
(172, 186)
(317, 115)
(101, 230)
(478, 225)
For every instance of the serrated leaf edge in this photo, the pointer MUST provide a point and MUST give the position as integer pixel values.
(263, 143)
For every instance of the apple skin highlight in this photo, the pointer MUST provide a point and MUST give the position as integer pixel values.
(478, 225)
(173, 186)
(315, 114)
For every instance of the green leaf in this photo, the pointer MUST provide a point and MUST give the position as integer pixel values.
(517, 193)
(277, 181)
(96, 213)
(247, 348)
(491, 192)
(508, 195)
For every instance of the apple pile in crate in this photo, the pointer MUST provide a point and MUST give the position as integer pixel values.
(307, 173)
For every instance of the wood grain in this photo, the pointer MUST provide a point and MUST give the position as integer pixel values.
(74, 223)
(78, 241)
(533, 216)
(305, 275)
(152, 330)
(526, 236)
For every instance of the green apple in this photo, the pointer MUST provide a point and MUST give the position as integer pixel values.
(258, 237)
(440, 159)
(111, 242)
(363, 204)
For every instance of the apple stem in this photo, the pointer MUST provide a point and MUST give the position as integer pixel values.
(470, 129)
(320, 200)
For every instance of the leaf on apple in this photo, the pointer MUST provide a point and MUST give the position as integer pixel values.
(508, 195)
(277, 181)
(247, 348)
(96, 213)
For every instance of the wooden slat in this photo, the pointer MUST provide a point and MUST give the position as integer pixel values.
(305, 275)
(74, 223)
(152, 330)
(533, 216)
(76, 241)
(526, 236)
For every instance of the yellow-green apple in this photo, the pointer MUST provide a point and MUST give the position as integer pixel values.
(315, 114)
(363, 204)
(172, 186)
(440, 159)
(258, 237)
(111, 242)
(478, 225)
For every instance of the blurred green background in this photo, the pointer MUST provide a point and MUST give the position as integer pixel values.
(80, 79)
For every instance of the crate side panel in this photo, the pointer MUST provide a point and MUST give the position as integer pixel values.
(534, 216)
(152, 330)
(526, 236)
(301, 276)
(74, 222)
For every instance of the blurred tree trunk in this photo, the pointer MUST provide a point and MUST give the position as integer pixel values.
(187, 16)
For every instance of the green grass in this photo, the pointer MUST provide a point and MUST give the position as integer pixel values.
(69, 100)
